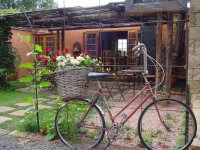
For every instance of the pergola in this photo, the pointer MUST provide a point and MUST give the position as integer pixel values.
(114, 15)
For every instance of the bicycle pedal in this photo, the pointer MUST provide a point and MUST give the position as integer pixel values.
(124, 116)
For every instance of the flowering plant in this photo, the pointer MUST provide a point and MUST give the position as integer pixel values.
(65, 59)
(80, 61)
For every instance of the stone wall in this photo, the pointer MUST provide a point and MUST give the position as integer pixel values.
(194, 65)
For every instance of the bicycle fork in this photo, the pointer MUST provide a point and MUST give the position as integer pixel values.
(161, 120)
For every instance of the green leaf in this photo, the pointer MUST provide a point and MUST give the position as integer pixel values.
(38, 48)
(29, 100)
(50, 136)
(27, 38)
(45, 72)
(26, 79)
(44, 84)
(27, 65)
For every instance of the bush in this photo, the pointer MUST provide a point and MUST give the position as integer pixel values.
(7, 66)
(7, 56)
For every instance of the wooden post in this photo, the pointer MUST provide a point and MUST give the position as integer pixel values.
(169, 53)
(58, 41)
(158, 48)
(63, 38)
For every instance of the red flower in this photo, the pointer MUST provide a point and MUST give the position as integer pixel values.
(86, 53)
(63, 52)
(39, 58)
(53, 59)
(66, 50)
(46, 60)
(48, 50)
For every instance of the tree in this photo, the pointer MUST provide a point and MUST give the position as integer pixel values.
(7, 56)
(28, 4)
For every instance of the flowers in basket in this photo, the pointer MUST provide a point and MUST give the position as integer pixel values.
(80, 61)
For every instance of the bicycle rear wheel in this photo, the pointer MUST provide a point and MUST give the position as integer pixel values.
(77, 134)
(177, 131)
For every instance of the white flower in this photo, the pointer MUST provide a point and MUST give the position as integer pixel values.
(60, 58)
(65, 60)
(87, 56)
(74, 61)
(68, 56)
(79, 58)
(62, 64)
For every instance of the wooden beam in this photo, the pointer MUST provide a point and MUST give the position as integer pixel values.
(169, 54)
(158, 47)
(58, 41)
(164, 6)
(63, 38)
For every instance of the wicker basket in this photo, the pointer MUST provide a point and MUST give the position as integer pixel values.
(72, 82)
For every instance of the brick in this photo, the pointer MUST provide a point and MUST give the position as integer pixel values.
(194, 33)
(195, 6)
(196, 74)
(197, 18)
(197, 47)
(190, 73)
(191, 46)
(193, 60)
(194, 86)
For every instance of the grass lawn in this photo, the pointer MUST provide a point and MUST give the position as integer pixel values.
(10, 97)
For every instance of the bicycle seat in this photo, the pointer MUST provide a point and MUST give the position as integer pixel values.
(96, 75)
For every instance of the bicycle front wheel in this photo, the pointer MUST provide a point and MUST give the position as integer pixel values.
(170, 127)
(76, 132)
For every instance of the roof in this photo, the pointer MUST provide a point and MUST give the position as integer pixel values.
(111, 15)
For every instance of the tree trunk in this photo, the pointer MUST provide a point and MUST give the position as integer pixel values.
(169, 53)
(158, 48)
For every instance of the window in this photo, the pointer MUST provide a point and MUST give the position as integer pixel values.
(46, 41)
(90, 44)
(122, 45)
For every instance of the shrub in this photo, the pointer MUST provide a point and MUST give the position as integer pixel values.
(7, 56)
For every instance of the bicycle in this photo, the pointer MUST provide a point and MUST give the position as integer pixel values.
(164, 124)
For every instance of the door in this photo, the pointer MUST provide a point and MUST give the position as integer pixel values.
(132, 41)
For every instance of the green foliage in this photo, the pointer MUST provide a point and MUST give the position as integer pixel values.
(9, 11)
(28, 5)
(7, 55)
(148, 139)
(47, 124)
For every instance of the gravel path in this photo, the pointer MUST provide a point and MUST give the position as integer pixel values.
(38, 143)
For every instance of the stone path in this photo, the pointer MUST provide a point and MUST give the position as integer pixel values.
(3, 119)
(5, 109)
(19, 109)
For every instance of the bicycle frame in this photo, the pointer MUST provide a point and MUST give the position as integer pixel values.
(146, 88)
(149, 94)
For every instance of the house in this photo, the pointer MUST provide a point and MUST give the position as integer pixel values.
(109, 31)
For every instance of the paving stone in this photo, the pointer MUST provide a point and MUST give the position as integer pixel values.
(53, 96)
(5, 109)
(18, 113)
(23, 104)
(44, 106)
(51, 102)
(43, 99)
(23, 90)
(3, 119)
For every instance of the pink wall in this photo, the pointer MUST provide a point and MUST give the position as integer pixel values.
(21, 49)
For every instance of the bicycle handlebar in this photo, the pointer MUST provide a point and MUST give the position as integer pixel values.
(141, 48)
